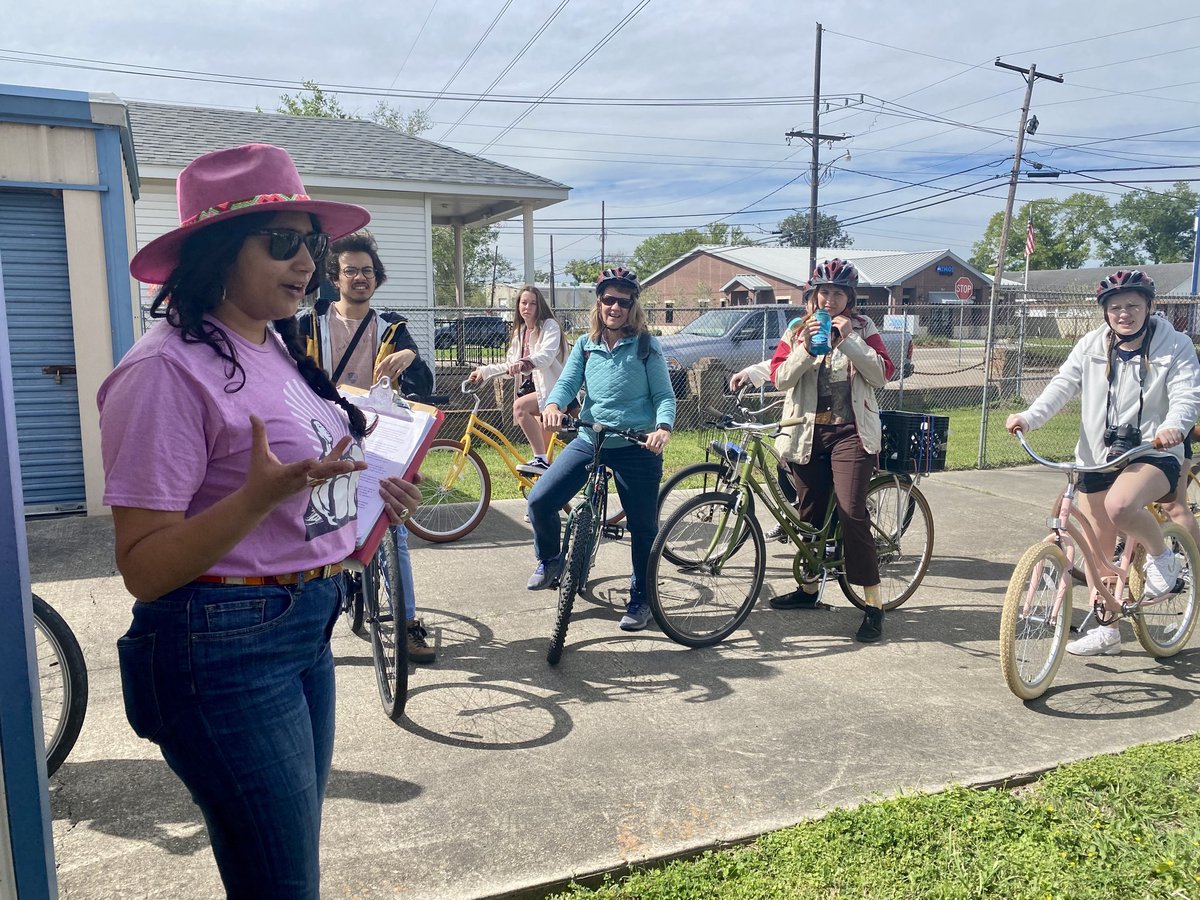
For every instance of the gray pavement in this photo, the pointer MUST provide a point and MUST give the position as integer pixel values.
(507, 774)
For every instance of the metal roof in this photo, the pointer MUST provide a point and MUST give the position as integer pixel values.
(1169, 278)
(172, 136)
(750, 282)
(876, 268)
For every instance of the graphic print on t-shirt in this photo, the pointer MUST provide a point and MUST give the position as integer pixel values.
(333, 503)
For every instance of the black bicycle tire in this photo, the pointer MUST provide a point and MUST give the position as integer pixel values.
(572, 580)
(416, 522)
(753, 532)
(353, 609)
(69, 657)
(713, 468)
(916, 498)
(393, 690)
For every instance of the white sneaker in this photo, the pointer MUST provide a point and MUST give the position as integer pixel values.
(1096, 642)
(1161, 573)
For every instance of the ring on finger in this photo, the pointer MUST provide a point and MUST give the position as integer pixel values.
(403, 514)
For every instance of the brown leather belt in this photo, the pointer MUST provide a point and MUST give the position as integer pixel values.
(826, 417)
(292, 578)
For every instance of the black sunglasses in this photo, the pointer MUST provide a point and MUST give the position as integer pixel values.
(623, 302)
(285, 243)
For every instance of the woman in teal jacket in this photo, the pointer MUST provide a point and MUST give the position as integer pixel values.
(627, 387)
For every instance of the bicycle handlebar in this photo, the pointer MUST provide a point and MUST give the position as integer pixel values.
(1109, 466)
(636, 437)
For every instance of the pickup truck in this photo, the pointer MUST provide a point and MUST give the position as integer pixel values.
(741, 335)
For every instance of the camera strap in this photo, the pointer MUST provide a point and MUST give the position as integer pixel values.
(1113, 359)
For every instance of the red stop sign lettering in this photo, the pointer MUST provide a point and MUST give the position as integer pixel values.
(963, 289)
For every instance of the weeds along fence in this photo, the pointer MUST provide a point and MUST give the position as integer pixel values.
(947, 371)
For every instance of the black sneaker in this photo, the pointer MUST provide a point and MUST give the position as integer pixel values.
(871, 629)
(534, 467)
(777, 534)
(797, 599)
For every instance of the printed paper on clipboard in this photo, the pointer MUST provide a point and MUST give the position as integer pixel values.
(395, 447)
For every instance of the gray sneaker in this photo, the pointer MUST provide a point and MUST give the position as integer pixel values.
(545, 575)
(637, 616)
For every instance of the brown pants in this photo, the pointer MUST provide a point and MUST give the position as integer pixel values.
(839, 463)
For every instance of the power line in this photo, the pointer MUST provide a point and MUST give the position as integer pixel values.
(462, 65)
(413, 45)
(629, 17)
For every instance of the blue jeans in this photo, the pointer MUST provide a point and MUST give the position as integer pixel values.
(235, 684)
(406, 575)
(637, 472)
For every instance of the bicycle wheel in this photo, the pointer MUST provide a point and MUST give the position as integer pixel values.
(1164, 627)
(455, 492)
(385, 617)
(1193, 493)
(902, 525)
(352, 605)
(687, 484)
(1035, 623)
(62, 676)
(574, 576)
(701, 602)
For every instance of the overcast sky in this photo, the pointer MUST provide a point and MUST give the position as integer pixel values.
(1131, 96)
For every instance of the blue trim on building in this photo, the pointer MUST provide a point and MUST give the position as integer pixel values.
(116, 244)
(27, 798)
(52, 186)
(28, 104)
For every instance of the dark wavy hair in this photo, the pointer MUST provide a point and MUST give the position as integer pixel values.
(358, 242)
(196, 287)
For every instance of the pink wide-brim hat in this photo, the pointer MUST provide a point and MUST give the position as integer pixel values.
(225, 184)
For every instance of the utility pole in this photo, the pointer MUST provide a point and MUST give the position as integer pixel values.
(601, 234)
(552, 271)
(1030, 75)
(815, 137)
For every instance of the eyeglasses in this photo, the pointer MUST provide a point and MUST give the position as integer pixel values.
(285, 243)
(354, 271)
(623, 302)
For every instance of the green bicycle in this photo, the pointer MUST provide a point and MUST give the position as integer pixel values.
(708, 562)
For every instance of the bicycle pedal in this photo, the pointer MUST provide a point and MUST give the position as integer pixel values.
(613, 532)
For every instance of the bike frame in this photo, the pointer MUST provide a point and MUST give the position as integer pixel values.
(480, 430)
(1070, 531)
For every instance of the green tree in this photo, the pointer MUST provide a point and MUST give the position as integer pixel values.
(1067, 233)
(793, 231)
(1154, 228)
(660, 250)
(311, 100)
(584, 271)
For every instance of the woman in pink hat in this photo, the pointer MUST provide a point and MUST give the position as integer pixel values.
(231, 467)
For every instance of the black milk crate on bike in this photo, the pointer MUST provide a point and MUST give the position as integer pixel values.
(913, 442)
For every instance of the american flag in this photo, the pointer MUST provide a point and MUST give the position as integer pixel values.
(1030, 243)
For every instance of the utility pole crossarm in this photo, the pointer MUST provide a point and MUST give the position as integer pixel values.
(819, 137)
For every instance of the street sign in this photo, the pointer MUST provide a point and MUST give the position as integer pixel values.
(963, 289)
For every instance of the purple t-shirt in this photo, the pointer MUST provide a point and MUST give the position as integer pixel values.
(173, 439)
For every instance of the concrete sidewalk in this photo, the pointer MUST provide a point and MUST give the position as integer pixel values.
(507, 774)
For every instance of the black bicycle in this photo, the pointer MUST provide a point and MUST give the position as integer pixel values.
(585, 528)
(374, 608)
(62, 676)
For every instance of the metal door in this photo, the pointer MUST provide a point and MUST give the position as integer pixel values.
(33, 247)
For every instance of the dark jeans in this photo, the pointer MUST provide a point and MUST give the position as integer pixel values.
(235, 684)
(637, 472)
(839, 463)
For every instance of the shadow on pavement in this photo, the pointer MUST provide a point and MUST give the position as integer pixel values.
(155, 806)
(504, 696)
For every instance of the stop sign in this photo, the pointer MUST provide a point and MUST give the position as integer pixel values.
(963, 289)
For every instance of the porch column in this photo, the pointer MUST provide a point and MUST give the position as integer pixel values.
(527, 228)
(459, 288)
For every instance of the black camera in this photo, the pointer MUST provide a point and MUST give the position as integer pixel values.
(1121, 439)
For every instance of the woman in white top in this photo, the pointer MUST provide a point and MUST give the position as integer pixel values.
(535, 358)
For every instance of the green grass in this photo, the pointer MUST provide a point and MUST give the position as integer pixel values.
(1056, 440)
(1110, 827)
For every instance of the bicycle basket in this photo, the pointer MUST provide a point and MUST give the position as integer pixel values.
(913, 443)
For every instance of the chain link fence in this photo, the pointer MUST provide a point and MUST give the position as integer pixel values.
(947, 369)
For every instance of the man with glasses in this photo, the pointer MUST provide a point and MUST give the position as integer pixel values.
(353, 343)
(356, 345)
